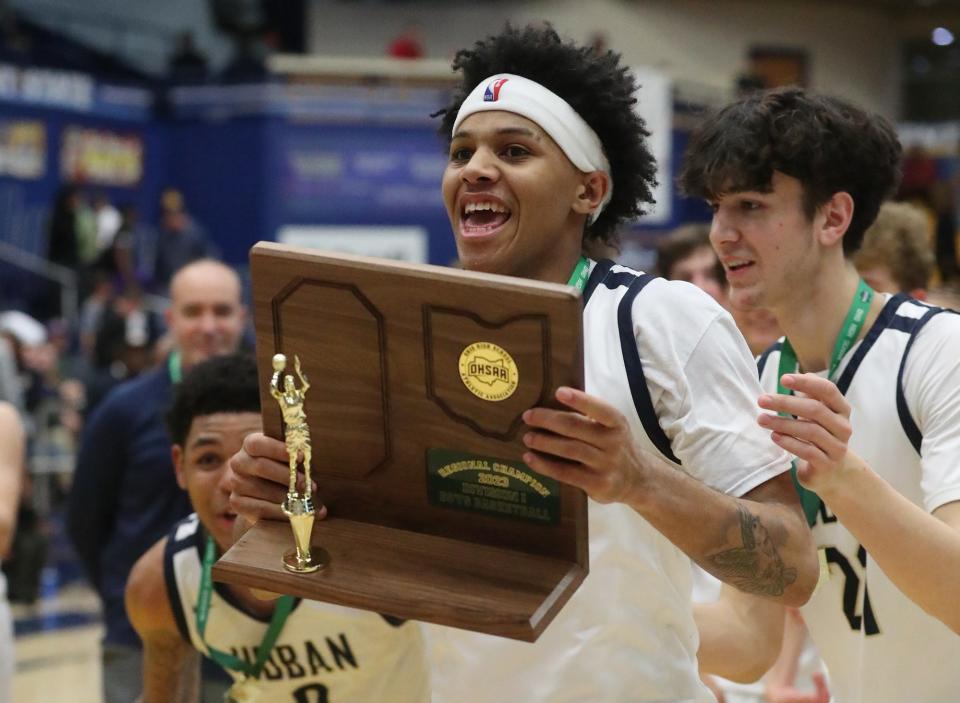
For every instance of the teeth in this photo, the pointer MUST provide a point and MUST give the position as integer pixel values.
(477, 207)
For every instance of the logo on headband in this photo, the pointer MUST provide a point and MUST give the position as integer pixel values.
(492, 93)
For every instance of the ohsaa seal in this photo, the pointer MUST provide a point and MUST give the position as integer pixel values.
(488, 371)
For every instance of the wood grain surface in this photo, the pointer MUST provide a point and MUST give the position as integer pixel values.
(380, 342)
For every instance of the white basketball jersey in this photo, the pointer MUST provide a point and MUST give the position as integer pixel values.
(324, 654)
(628, 633)
(878, 645)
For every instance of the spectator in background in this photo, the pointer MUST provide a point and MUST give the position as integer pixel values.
(62, 247)
(107, 219)
(62, 239)
(91, 313)
(16, 44)
(125, 496)
(10, 391)
(408, 44)
(126, 334)
(133, 249)
(180, 239)
(923, 185)
(23, 335)
(187, 62)
(12, 448)
(896, 255)
(687, 255)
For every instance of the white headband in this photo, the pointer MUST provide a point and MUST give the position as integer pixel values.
(552, 113)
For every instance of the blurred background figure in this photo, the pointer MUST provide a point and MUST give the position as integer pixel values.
(63, 244)
(10, 391)
(179, 240)
(133, 249)
(685, 254)
(108, 221)
(12, 454)
(62, 238)
(187, 62)
(125, 496)
(408, 44)
(896, 256)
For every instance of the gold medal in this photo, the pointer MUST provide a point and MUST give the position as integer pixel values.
(245, 690)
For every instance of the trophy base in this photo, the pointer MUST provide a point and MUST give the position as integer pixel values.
(319, 558)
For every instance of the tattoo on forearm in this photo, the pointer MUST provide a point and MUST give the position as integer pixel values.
(756, 567)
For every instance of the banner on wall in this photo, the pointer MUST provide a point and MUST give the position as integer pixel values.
(342, 172)
(101, 157)
(71, 90)
(23, 149)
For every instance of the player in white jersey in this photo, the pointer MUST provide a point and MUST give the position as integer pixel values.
(284, 650)
(795, 180)
(546, 156)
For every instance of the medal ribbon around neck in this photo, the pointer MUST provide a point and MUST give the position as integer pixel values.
(228, 661)
(852, 325)
(175, 367)
(581, 272)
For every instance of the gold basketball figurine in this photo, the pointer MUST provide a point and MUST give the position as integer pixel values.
(297, 507)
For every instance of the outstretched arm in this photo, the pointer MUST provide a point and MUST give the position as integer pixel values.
(759, 543)
(170, 664)
(303, 377)
(918, 551)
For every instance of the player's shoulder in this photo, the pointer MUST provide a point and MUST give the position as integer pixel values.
(932, 351)
(184, 532)
(146, 596)
(943, 324)
(669, 302)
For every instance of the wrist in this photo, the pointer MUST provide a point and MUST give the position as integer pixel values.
(846, 486)
(638, 493)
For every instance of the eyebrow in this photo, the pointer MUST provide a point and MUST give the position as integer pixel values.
(524, 131)
(202, 441)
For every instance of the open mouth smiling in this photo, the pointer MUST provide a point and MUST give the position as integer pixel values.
(482, 217)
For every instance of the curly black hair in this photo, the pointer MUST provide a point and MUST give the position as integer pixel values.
(827, 144)
(222, 384)
(595, 85)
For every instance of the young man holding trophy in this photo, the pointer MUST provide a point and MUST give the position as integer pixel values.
(547, 157)
(275, 650)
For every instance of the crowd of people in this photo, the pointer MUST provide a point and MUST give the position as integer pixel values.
(56, 369)
(770, 450)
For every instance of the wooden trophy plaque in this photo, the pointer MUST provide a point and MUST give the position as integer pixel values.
(418, 378)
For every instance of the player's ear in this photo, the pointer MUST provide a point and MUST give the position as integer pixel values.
(836, 214)
(590, 192)
(176, 453)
